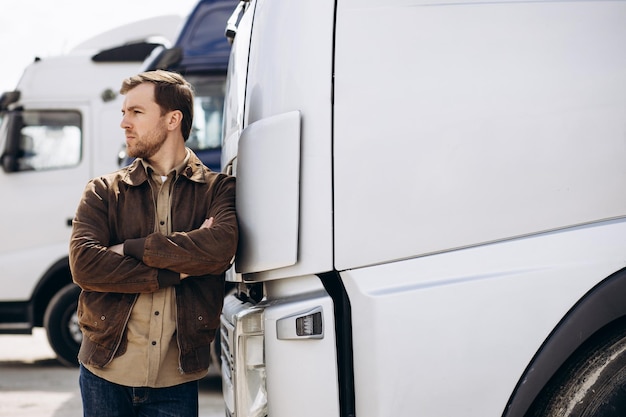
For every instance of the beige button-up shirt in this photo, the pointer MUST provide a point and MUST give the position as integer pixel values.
(151, 358)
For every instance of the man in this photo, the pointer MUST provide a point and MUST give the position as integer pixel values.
(149, 247)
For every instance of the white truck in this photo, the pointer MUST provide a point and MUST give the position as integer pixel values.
(60, 127)
(432, 199)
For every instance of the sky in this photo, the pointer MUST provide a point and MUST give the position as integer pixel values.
(41, 28)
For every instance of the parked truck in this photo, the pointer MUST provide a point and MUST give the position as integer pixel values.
(432, 209)
(60, 127)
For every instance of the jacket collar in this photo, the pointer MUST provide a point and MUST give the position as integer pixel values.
(135, 174)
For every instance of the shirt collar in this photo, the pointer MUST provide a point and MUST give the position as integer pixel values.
(177, 169)
(136, 173)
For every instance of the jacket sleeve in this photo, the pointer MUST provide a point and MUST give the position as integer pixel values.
(96, 268)
(208, 251)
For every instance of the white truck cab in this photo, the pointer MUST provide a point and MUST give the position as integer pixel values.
(432, 208)
(60, 127)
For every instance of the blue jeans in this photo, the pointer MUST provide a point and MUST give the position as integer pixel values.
(102, 398)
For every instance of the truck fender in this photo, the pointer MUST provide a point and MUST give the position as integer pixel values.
(601, 306)
(52, 281)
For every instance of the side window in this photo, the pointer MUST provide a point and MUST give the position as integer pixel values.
(206, 132)
(47, 140)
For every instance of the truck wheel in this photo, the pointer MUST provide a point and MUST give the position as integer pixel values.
(61, 323)
(593, 385)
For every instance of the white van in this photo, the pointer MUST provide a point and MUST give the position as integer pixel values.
(432, 198)
(60, 127)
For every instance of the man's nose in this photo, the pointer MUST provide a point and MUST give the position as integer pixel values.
(124, 124)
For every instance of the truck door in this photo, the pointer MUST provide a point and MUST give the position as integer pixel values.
(44, 170)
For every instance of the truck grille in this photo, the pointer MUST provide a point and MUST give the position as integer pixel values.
(227, 333)
(243, 359)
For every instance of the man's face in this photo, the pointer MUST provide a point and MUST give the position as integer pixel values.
(143, 124)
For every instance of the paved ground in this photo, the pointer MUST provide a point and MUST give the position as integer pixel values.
(34, 384)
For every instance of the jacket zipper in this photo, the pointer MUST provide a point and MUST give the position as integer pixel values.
(180, 350)
(119, 339)
(180, 355)
(130, 310)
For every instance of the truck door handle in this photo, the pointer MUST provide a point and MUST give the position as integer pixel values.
(305, 325)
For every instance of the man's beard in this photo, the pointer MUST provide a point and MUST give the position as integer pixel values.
(147, 145)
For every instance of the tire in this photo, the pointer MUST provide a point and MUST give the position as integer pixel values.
(61, 323)
(593, 384)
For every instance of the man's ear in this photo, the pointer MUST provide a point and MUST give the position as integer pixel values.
(174, 119)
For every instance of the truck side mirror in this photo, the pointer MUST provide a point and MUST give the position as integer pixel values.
(7, 98)
(9, 162)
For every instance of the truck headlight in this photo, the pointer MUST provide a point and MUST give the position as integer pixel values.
(249, 373)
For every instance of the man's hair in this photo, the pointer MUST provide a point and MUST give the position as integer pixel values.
(171, 92)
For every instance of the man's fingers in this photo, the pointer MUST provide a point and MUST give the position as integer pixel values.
(207, 223)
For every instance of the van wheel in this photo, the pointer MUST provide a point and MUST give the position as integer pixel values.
(594, 384)
(61, 323)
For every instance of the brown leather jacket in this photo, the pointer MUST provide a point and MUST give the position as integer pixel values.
(118, 208)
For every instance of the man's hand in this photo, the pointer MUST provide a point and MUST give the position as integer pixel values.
(205, 225)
